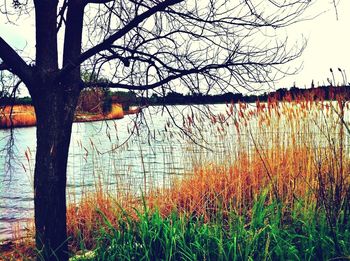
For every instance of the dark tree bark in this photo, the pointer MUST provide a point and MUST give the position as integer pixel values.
(55, 113)
(54, 99)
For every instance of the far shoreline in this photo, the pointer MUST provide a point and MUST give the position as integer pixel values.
(24, 116)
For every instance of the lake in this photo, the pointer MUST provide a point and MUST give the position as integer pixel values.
(134, 154)
(148, 150)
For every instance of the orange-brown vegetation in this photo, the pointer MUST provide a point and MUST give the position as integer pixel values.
(23, 249)
(283, 147)
(87, 217)
(290, 176)
(24, 116)
(17, 116)
(91, 100)
(116, 112)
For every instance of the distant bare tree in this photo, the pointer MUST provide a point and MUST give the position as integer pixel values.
(140, 45)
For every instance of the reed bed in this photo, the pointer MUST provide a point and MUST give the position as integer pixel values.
(282, 183)
(279, 189)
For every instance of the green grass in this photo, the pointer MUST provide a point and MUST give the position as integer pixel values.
(301, 233)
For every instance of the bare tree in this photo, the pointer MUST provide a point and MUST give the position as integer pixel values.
(140, 45)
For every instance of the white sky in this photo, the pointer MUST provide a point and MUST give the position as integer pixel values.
(328, 43)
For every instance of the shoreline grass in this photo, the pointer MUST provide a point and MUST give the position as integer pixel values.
(206, 216)
(266, 235)
(24, 115)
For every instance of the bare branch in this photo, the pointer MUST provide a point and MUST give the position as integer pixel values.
(110, 40)
(194, 71)
(98, 1)
(336, 9)
(14, 63)
(61, 14)
(4, 67)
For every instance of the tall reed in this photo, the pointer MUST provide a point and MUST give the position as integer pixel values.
(295, 154)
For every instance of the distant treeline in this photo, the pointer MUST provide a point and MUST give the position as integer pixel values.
(294, 93)
(90, 98)
(7, 100)
(322, 93)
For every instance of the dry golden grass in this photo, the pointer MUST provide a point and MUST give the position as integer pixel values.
(24, 116)
(209, 190)
(290, 175)
(86, 218)
(116, 112)
(23, 249)
(18, 116)
(295, 149)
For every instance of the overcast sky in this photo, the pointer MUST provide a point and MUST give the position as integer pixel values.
(328, 43)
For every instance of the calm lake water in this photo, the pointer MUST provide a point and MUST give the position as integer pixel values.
(119, 156)
(115, 154)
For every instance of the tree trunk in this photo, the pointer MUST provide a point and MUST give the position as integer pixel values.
(54, 112)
